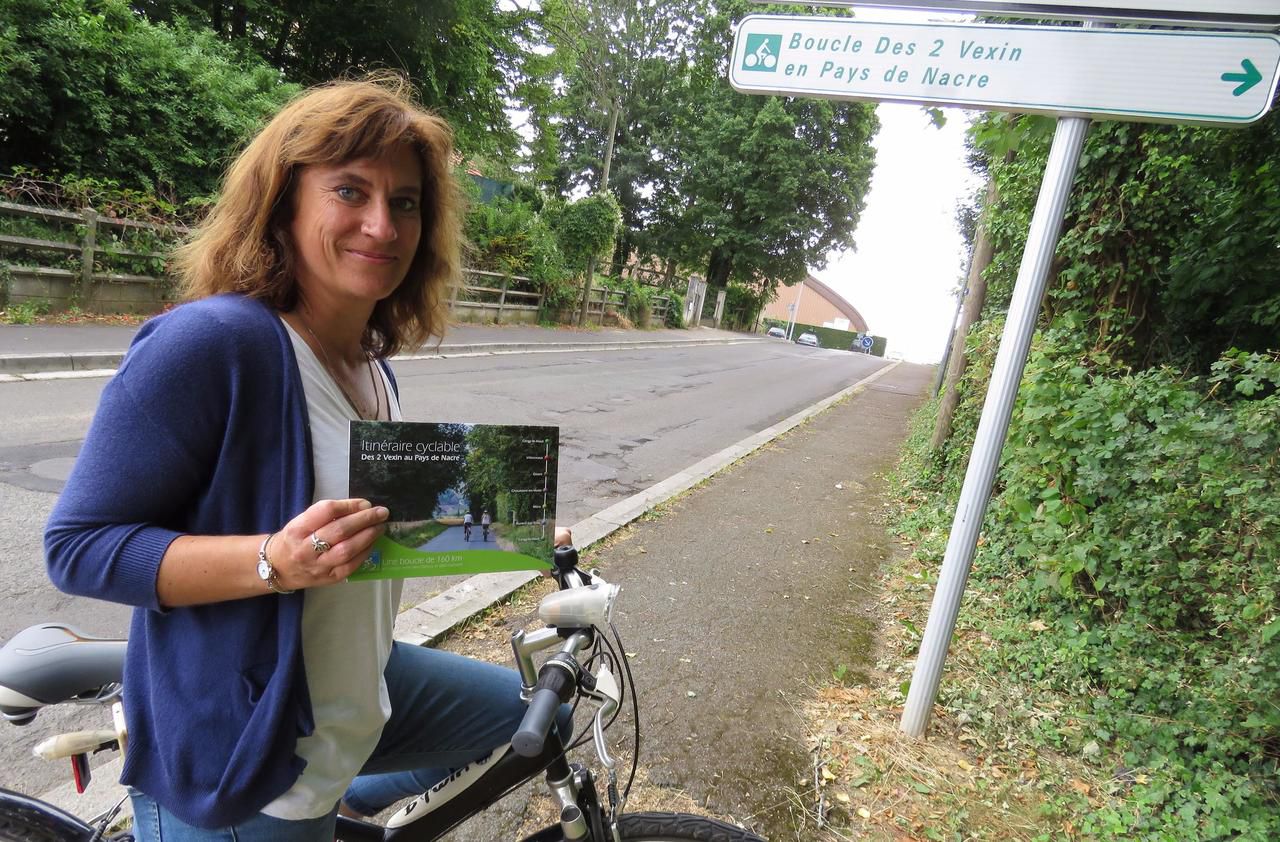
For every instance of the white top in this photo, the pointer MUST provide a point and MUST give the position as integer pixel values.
(347, 628)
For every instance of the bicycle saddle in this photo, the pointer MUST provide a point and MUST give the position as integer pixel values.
(52, 663)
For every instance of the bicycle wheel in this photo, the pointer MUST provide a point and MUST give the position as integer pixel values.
(24, 819)
(665, 827)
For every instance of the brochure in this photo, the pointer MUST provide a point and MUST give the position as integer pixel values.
(464, 498)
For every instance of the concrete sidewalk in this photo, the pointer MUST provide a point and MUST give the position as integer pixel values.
(27, 350)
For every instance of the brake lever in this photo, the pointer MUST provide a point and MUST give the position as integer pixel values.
(608, 696)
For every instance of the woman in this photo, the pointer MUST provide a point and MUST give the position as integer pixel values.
(210, 491)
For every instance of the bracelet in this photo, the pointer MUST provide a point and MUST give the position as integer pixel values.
(266, 571)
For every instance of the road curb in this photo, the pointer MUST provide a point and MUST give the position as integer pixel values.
(428, 622)
(99, 363)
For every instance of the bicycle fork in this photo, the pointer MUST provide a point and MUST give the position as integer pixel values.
(574, 789)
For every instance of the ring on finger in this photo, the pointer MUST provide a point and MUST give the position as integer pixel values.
(320, 545)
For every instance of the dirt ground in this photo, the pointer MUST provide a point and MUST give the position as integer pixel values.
(740, 600)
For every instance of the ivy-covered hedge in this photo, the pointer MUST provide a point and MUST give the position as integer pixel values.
(586, 227)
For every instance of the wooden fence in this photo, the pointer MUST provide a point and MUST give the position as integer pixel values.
(476, 300)
(103, 292)
(483, 296)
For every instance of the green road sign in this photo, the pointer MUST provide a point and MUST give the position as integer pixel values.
(1168, 76)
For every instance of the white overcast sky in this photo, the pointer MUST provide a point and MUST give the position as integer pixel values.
(909, 258)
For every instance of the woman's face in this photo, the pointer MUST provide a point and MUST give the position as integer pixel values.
(356, 226)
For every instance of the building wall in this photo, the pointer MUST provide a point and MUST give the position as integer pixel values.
(814, 309)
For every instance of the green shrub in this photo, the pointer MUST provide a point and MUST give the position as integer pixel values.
(510, 236)
(585, 228)
(25, 312)
(638, 297)
(675, 311)
(1137, 524)
(95, 89)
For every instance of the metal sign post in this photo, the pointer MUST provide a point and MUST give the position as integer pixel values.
(1152, 76)
(1028, 292)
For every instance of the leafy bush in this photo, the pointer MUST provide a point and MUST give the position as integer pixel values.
(94, 89)
(509, 237)
(24, 313)
(742, 306)
(639, 309)
(675, 311)
(1137, 525)
(585, 228)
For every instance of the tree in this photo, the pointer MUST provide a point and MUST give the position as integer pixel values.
(608, 51)
(464, 56)
(758, 188)
(503, 466)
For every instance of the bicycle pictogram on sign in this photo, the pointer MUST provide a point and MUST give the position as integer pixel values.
(762, 52)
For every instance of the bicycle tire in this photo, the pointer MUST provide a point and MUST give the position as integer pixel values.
(665, 827)
(25, 819)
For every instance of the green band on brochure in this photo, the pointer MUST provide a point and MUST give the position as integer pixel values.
(389, 560)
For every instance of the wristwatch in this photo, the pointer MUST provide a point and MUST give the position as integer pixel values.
(266, 572)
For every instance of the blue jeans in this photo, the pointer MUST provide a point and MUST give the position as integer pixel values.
(446, 710)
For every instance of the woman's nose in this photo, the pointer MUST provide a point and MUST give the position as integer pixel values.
(378, 223)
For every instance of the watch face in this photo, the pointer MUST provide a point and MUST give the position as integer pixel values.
(264, 571)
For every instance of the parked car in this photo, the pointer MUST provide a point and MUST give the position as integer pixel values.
(776, 332)
(808, 339)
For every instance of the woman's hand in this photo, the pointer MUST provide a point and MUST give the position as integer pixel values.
(326, 543)
(564, 538)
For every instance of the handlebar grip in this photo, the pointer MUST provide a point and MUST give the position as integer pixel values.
(531, 736)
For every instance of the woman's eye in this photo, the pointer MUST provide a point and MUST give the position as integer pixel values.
(346, 193)
(405, 204)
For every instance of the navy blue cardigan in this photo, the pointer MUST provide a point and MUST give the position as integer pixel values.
(203, 431)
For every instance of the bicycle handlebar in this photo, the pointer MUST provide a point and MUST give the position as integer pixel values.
(557, 682)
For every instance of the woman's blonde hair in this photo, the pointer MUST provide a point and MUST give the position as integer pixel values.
(244, 246)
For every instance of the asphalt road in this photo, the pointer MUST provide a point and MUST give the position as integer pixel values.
(454, 538)
(627, 419)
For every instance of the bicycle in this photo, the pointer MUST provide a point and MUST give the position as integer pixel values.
(53, 664)
(466, 532)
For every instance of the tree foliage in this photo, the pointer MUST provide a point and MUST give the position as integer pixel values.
(464, 56)
(758, 189)
(753, 189)
(612, 57)
(92, 90)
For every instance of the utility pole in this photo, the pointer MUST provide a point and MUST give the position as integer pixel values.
(614, 108)
(795, 311)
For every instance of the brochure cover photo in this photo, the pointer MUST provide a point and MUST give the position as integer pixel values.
(464, 498)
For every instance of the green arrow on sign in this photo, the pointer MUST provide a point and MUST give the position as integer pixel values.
(1247, 80)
